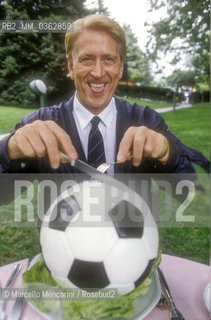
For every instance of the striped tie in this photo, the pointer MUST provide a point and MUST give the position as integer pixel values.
(96, 152)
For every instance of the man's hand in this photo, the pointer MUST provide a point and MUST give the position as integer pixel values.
(38, 139)
(139, 142)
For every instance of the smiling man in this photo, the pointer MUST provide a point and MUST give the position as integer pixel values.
(93, 125)
(96, 67)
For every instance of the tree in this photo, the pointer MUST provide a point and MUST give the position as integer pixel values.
(185, 29)
(27, 56)
(97, 6)
(138, 66)
(181, 78)
(101, 8)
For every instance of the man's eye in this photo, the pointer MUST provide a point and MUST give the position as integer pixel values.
(109, 60)
(87, 60)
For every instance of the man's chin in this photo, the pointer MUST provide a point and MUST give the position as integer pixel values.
(96, 106)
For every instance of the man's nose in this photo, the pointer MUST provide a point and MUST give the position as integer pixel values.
(98, 69)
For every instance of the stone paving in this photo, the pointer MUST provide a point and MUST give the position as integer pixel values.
(3, 135)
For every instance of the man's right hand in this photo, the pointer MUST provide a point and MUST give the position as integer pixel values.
(40, 138)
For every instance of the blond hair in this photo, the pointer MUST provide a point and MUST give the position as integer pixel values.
(95, 22)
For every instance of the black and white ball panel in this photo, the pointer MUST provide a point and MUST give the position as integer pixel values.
(128, 220)
(145, 273)
(128, 256)
(88, 275)
(56, 251)
(91, 243)
(151, 237)
(63, 213)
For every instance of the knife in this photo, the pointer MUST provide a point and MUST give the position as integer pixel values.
(17, 309)
(13, 275)
(93, 172)
(19, 304)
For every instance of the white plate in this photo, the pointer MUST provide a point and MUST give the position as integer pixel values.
(143, 305)
(207, 296)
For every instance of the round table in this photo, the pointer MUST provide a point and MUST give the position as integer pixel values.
(187, 280)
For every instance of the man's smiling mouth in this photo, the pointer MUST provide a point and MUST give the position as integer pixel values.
(97, 87)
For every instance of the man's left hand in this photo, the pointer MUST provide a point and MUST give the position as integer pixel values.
(139, 142)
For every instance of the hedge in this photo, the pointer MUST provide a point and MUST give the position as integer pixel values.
(157, 93)
(142, 92)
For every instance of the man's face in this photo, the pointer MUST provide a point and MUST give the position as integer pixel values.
(96, 68)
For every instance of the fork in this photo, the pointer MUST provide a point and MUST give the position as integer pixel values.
(105, 166)
(9, 283)
(163, 303)
(175, 313)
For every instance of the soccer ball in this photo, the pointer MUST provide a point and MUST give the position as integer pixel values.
(96, 236)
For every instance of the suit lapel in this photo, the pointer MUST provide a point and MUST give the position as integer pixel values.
(71, 129)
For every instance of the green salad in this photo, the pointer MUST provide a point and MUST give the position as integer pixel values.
(122, 307)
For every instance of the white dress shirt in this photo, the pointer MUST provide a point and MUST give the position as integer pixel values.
(107, 127)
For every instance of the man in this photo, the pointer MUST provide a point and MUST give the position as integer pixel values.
(96, 48)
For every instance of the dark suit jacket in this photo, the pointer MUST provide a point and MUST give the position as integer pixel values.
(181, 156)
(180, 162)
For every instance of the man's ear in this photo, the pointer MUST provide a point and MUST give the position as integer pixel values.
(70, 67)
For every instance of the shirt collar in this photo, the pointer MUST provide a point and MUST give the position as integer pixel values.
(84, 116)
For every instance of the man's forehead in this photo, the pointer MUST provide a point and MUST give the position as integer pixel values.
(89, 39)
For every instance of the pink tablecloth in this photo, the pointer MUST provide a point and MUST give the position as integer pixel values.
(186, 279)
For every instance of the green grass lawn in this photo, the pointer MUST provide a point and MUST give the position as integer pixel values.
(9, 116)
(151, 104)
(192, 127)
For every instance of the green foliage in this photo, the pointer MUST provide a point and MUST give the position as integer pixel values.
(181, 78)
(97, 7)
(145, 92)
(138, 66)
(101, 9)
(121, 307)
(28, 56)
(185, 29)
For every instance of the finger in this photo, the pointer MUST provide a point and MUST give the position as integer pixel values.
(33, 136)
(64, 140)
(56, 139)
(126, 145)
(22, 144)
(138, 147)
(51, 144)
(149, 144)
